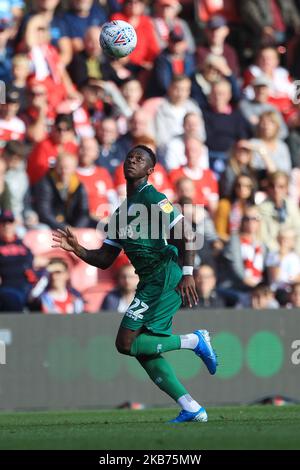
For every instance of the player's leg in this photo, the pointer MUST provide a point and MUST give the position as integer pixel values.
(163, 375)
(142, 342)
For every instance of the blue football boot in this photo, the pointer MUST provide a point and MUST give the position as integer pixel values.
(205, 351)
(188, 416)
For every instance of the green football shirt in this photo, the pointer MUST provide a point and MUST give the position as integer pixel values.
(140, 227)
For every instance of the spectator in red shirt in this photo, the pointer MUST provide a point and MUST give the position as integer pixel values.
(46, 63)
(245, 260)
(166, 17)
(147, 46)
(205, 181)
(206, 9)
(44, 154)
(282, 89)
(97, 181)
(11, 126)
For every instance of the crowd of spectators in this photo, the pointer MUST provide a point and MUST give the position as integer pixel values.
(211, 87)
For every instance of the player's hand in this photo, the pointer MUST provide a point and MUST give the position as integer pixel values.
(187, 290)
(65, 239)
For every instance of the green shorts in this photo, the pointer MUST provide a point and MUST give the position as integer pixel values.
(156, 301)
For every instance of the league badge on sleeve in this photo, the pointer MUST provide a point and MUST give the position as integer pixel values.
(166, 206)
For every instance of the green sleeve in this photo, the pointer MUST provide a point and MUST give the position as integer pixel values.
(171, 214)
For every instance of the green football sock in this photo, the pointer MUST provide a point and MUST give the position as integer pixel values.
(149, 345)
(163, 375)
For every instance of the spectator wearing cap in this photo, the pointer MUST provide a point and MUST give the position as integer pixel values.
(82, 15)
(240, 162)
(147, 48)
(11, 126)
(282, 89)
(97, 181)
(174, 151)
(173, 60)
(206, 283)
(16, 272)
(16, 178)
(51, 12)
(88, 62)
(205, 182)
(216, 33)
(252, 109)
(224, 126)
(165, 19)
(59, 198)
(214, 69)
(278, 210)
(54, 294)
(169, 117)
(269, 21)
(44, 154)
(120, 297)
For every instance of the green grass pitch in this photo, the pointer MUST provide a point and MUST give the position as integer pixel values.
(251, 427)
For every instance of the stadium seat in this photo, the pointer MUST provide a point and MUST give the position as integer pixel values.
(83, 276)
(94, 296)
(39, 241)
(90, 238)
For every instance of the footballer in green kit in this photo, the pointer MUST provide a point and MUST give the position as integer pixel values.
(151, 231)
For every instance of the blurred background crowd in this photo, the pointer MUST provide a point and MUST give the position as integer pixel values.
(211, 87)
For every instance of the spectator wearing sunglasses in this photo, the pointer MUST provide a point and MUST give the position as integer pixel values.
(54, 293)
(44, 154)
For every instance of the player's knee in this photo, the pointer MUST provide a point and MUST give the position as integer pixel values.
(123, 346)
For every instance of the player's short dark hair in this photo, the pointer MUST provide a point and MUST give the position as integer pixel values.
(148, 150)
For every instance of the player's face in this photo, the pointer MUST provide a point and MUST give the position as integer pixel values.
(137, 165)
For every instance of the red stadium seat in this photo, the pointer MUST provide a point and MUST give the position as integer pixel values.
(83, 276)
(90, 238)
(39, 241)
(94, 296)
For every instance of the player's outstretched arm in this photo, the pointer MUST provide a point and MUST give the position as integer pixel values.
(102, 258)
